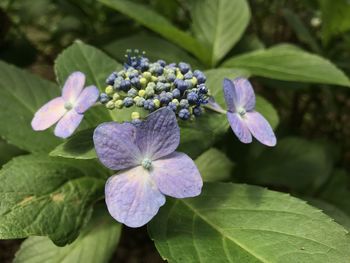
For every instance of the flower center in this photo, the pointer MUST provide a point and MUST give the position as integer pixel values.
(241, 111)
(146, 163)
(68, 105)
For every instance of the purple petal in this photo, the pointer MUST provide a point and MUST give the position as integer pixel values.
(239, 127)
(115, 145)
(260, 128)
(68, 124)
(229, 94)
(86, 99)
(159, 135)
(73, 86)
(132, 197)
(245, 96)
(48, 114)
(176, 175)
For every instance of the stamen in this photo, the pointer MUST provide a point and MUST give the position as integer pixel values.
(147, 164)
(68, 105)
(241, 111)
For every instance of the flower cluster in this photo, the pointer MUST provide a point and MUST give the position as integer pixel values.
(155, 85)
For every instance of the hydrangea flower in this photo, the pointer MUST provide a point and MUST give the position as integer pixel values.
(150, 166)
(243, 119)
(158, 83)
(67, 111)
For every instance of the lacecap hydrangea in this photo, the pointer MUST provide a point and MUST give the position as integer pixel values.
(154, 85)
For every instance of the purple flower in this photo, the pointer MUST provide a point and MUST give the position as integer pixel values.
(244, 121)
(150, 166)
(68, 109)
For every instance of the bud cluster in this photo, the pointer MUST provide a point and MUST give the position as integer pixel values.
(154, 85)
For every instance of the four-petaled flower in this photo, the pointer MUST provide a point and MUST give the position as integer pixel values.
(68, 109)
(244, 121)
(151, 168)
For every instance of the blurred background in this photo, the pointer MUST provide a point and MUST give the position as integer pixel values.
(315, 118)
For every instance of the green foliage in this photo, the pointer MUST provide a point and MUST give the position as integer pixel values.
(44, 196)
(7, 152)
(214, 165)
(295, 163)
(287, 62)
(219, 24)
(229, 222)
(160, 25)
(21, 95)
(95, 244)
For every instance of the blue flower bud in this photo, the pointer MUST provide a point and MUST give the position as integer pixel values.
(117, 83)
(188, 75)
(140, 102)
(136, 121)
(160, 87)
(202, 89)
(176, 93)
(156, 68)
(181, 85)
(161, 78)
(135, 82)
(144, 65)
(149, 105)
(132, 92)
(201, 78)
(161, 62)
(197, 111)
(128, 102)
(111, 78)
(172, 106)
(104, 98)
(192, 97)
(164, 98)
(184, 104)
(184, 114)
(184, 67)
(125, 85)
(171, 77)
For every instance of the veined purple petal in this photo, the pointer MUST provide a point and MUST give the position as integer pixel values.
(86, 99)
(48, 114)
(73, 86)
(229, 94)
(115, 145)
(132, 197)
(244, 92)
(239, 127)
(68, 124)
(176, 175)
(159, 135)
(260, 128)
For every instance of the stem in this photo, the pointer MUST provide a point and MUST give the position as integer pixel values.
(218, 110)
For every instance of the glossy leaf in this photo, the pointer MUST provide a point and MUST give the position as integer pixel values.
(160, 25)
(48, 197)
(287, 62)
(241, 223)
(96, 244)
(7, 152)
(214, 165)
(21, 95)
(219, 24)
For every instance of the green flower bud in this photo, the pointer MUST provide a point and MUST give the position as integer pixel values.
(156, 103)
(179, 75)
(116, 96)
(137, 98)
(110, 105)
(176, 102)
(147, 75)
(142, 92)
(135, 115)
(194, 81)
(119, 104)
(143, 82)
(154, 78)
(109, 90)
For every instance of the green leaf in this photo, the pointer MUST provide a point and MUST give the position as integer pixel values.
(219, 24)
(7, 152)
(48, 197)
(295, 163)
(160, 25)
(95, 244)
(21, 95)
(155, 48)
(200, 134)
(241, 223)
(287, 62)
(79, 146)
(335, 18)
(96, 65)
(214, 165)
(215, 78)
